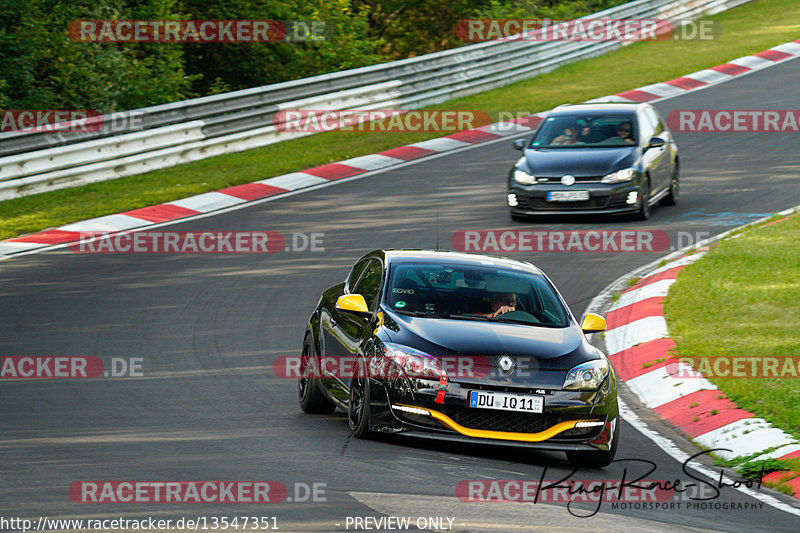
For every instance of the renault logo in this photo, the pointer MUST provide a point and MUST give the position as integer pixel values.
(568, 180)
(506, 364)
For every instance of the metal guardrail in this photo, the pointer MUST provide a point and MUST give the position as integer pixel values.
(180, 132)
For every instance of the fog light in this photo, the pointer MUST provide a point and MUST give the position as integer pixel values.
(512, 200)
(632, 197)
(413, 410)
(589, 424)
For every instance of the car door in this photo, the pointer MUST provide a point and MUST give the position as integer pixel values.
(345, 333)
(330, 347)
(671, 147)
(659, 157)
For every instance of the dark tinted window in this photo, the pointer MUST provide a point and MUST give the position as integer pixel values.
(658, 125)
(370, 283)
(475, 291)
(583, 130)
(352, 278)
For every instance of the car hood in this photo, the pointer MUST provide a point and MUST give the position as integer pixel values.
(551, 348)
(580, 162)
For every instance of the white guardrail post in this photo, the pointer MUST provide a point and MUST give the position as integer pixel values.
(180, 132)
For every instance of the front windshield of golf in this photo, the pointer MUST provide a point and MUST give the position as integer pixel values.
(582, 131)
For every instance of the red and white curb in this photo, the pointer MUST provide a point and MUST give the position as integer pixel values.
(638, 346)
(707, 77)
(259, 190)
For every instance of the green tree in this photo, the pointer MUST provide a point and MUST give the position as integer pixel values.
(41, 67)
(243, 65)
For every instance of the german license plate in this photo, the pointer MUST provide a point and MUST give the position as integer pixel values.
(504, 401)
(567, 196)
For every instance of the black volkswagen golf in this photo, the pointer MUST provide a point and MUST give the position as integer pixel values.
(460, 347)
(607, 158)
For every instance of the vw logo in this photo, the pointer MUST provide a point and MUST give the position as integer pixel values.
(568, 180)
(506, 364)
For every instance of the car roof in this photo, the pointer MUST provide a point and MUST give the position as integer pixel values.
(598, 108)
(443, 256)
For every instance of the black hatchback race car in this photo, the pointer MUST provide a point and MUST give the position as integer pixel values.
(607, 158)
(460, 347)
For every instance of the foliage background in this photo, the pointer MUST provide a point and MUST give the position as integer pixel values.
(42, 68)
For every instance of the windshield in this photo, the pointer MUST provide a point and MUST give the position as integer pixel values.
(581, 131)
(471, 292)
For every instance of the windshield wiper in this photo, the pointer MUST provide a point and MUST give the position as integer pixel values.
(470, 317)
(516, 321)
(425, 314)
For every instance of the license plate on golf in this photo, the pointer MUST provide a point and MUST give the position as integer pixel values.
(567, 196)
(504, 401)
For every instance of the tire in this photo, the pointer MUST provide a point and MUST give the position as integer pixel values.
(674, 189)
(599, 458)
(644, 194)
(312, 399)
(358, 405)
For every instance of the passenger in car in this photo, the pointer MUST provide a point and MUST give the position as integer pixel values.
(570, 135)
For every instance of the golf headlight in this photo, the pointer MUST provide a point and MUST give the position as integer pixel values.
(520, 176)
(587, 376)
(626, 174)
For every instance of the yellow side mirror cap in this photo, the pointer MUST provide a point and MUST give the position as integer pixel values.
(593, 323)
(352, 303)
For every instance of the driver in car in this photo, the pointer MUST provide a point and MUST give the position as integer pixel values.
(503, 302)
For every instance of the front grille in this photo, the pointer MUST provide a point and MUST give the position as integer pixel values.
(493, 420)
(578, 179)
(541, 204)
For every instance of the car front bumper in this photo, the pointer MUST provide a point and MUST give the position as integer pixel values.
(572, 420)
(603, 198)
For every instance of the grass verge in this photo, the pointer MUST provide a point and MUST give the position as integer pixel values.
(748, 29)
(738, 302)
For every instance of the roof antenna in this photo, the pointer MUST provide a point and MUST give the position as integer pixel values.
(437, 232)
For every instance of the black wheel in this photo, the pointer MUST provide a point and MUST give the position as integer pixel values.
(312, 399)
(599, 458)
(644, 200)
(358, 406)
(674, 188)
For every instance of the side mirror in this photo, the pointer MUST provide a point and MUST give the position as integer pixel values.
(353, 303)
(593, 323)
(655, 142)
(519, 144)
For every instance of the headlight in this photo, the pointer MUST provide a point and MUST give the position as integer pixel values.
(520, 176)
(404, 361)
(587, 376)
(626, 174)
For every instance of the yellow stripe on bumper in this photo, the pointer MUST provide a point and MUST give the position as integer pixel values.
(503, 435)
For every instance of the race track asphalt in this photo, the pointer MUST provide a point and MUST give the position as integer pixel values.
(209, 326)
